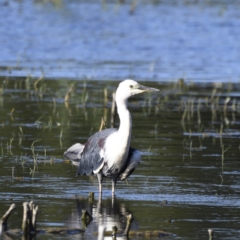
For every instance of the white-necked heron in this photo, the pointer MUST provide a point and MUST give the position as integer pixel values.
(108, 153)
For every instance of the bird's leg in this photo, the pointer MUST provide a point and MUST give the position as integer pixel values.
(113, 201)
(114, 181)
(100, 179)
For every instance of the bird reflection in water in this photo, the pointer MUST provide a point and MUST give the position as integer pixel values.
(105, 212)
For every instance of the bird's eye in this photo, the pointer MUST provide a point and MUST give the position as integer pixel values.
(131, 86)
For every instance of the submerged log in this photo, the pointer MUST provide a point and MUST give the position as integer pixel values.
(29, 226)
(114, 231)
(210, 232)
(86, 218)
(141, 234)
(129, 221)
(91, 197)
(29, 222)
(155, 233)
(3, 221)
(61, 230)
(25, 217)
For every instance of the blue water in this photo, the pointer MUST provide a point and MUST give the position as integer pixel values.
(107, 41)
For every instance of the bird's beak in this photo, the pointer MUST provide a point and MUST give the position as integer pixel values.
(147, 89)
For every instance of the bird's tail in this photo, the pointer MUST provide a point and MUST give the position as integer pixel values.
(74, 153)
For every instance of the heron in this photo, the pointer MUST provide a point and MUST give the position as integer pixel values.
(107, 153)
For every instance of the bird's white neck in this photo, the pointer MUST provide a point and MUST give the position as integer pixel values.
(125, 128)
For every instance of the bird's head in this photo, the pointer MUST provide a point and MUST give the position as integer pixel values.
(130, 87)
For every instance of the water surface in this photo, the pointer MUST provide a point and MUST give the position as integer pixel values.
(187, 182)
(149, 40)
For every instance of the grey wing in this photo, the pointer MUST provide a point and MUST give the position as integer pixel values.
(74, 153)
(133, 160)
(91, 159)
